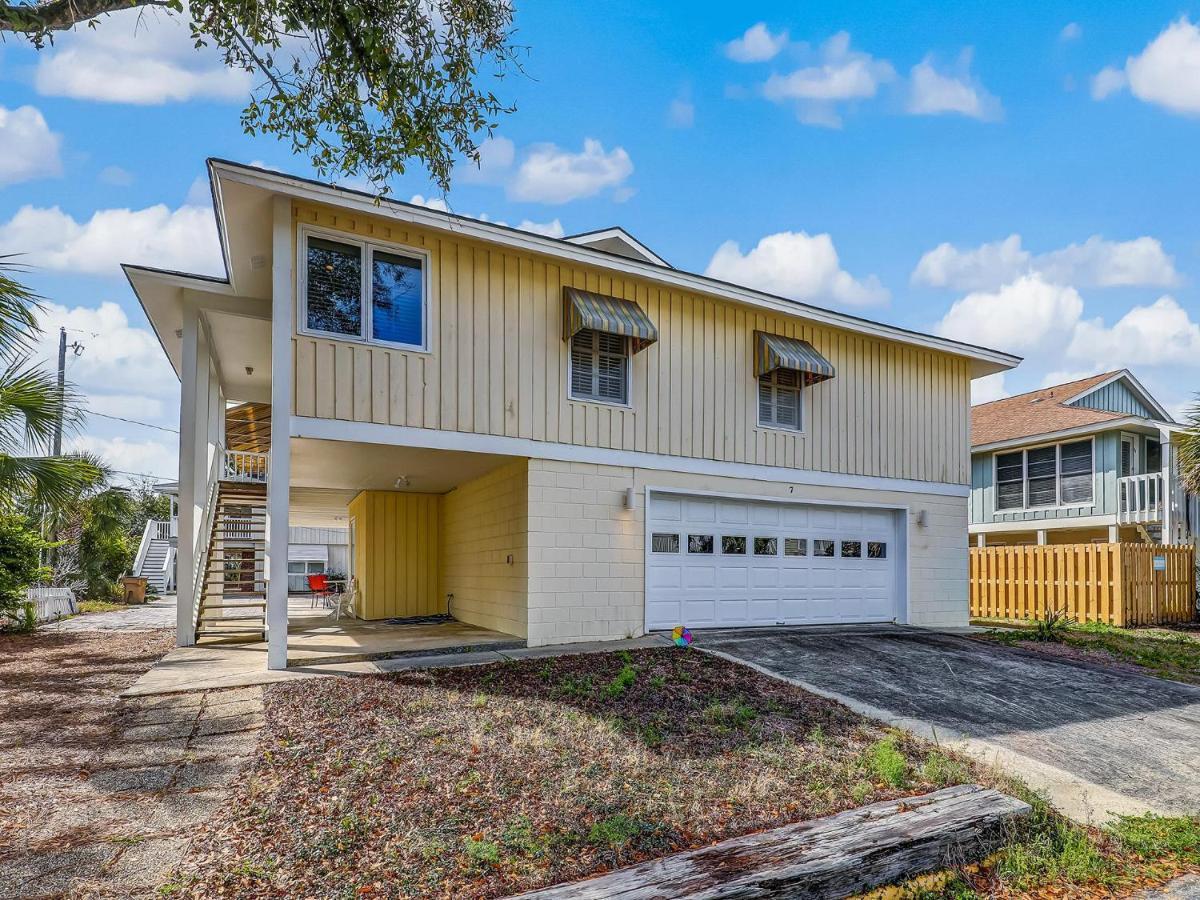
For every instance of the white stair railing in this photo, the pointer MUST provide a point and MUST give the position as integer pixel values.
(143, 547)
(245, 467)
(1140, 498)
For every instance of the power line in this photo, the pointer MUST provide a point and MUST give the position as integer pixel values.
(141, 474)
(134, 422)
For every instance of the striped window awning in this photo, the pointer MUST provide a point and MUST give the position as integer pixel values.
(610, 315)
(774, 351)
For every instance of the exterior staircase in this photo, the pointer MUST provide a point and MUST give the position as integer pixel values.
(155, 567)
(233, 595)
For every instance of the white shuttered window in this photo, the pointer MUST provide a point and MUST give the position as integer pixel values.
(599, 367)
(779, 400)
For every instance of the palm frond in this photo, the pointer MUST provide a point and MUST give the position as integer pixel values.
(50, 482)
(30, 407)
(19, 307)
(1187, 450)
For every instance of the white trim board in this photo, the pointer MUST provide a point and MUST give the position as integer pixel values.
(433, 439)
(1050, 437)
(1044, 524)
(988, 361)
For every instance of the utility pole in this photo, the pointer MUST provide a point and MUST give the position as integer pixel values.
(62, 376)
(76, 348)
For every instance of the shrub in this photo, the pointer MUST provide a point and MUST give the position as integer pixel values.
(1051, 628)
(20, 567)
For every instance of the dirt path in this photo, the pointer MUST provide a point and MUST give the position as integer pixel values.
(101, 795)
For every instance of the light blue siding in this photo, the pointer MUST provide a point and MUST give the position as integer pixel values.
(1115, 397)
(1106, 462)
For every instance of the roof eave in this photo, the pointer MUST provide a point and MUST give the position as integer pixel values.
(985, 361)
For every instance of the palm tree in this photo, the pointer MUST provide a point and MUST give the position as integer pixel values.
(1187, 450)
(31, 408)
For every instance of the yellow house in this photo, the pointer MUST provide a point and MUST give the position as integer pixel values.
(559, 439)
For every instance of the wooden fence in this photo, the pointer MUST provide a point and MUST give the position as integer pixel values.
(1120, 584)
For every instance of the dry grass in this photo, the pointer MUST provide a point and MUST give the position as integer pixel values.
(486, 781)
(58, 693)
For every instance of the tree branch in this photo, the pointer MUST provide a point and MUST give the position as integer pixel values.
(60, 15)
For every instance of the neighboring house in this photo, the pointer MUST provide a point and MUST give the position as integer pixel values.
(316, 551)
(561, 439)
(1082, 462)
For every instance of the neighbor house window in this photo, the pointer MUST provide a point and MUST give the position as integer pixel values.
(364, 292)
(599, 367)
(779, 400)
(1058, 474)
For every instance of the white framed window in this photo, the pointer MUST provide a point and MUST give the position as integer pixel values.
(598, 367)
(361, 291)
(1047, 476)
(781, 400)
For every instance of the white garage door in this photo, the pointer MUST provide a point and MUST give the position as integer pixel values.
(714, 562)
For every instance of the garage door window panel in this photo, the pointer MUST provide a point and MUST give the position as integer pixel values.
(733, 545)
(795, 546)
(662, 542)
(766, 546)
(876, 550)
(700, 543)
(851, 549)
(823, 547)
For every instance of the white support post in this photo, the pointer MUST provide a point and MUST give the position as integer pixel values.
(981, 540)
(1170, 486)
(190, 512)
(1041, 537)
(1114, 534)
(279, 467)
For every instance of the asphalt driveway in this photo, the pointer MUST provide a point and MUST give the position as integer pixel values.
(1130, 734)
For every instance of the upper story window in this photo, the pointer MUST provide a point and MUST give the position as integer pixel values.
(599, 366)
(1054, 475)
(364, 292)
(780, 400)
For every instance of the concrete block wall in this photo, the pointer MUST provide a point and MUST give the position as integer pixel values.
(586, 566)
(483, 524)
(586, 551)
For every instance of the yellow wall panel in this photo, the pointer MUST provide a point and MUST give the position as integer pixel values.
(396, 554)
(497, 365)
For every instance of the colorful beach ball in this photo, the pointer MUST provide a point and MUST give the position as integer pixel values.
(681, 636)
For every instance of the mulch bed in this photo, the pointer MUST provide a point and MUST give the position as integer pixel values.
(486, 781)
(58, 697)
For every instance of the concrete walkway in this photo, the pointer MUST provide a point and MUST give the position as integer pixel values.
(121, 830)
(158, 613)
(1096, 740)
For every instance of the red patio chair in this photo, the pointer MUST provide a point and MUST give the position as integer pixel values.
(319, 585)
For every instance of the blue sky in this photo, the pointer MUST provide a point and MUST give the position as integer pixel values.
(1020, 177)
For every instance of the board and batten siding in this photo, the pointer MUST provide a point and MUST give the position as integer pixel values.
(1106, 462)
(497, 365)
(1115, 397)
(396, 554)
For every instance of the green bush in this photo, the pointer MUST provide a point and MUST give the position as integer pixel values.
(20, 566)
(885, 761)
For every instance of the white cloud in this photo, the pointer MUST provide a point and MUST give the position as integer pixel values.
(986, 266)
(137, 57)
(159, 459)
(838, 75)
(552, 228)
(795, 264)
(549, 174)
(30, 148)
(1166, 73)
(1094, 263)
(758, 44)
(1160, 334)
(988, 388)
(1072, 31)
(1108, 81)
(934, 93)
(1026, 314)
(438, 203)
(184, 239)
(118, 358)
(681, 113)
(496, 157)
(128, 406)
(116, 176)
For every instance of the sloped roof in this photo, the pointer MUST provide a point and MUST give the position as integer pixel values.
(1037, 412)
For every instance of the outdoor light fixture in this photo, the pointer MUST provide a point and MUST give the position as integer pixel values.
(628, 504)
(922, 519)
(401, 481)
(249, 370)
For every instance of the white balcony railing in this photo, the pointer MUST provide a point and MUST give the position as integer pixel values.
(1140, 499)
(165, 529)
(245, 467)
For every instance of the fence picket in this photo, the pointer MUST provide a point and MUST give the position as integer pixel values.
(1113, 583)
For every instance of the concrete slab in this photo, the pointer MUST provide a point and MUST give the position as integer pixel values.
(1098, 742)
